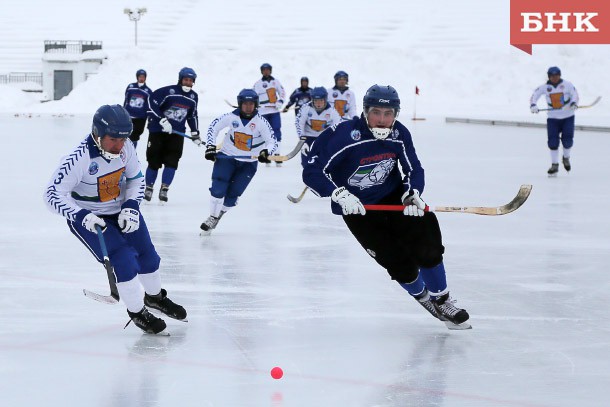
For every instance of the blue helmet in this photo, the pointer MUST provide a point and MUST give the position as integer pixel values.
(553, 71)
(319, 93)
(186, 73)
(381, 96)
(266, 66)
(112, 121)
(304, 78)
(140, 72)
(341, 74)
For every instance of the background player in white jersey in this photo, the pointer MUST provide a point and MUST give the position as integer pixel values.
(271, 95)
(100, 183)
(371, 160)
(314, 118)
(342, 98)
(171, 107)
(562, 98)
(136, 103)
(249, 135)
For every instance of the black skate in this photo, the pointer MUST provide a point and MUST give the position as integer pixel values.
(163, 192)
(553, 170)
(146, 321)
(426, 301)
(165, 305)
(148, 192)
(454, 317)
(566, 163)
(210, 224)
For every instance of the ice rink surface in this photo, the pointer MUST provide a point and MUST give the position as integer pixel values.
(283, 284)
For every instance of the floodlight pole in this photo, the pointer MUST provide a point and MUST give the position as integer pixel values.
(135, 15)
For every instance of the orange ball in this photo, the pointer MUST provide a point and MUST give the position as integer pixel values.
(277, 372)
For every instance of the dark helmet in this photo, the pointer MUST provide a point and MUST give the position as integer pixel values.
(113, 121)
(341, 74)
(186, 73)
(381, 96)
(266, 66)
(553, 71)
(304, 78)
(141, 72)
(319, 93)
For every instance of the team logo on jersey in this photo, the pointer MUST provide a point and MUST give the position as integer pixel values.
(355, 134)
(371, 253)
(235, 124)
(172, 91)
(395, 134)
(123, 157)
(93, 168)
(309, 114)
(252, 126)
(264, 85)
(335, 94)
(548, 89)
(192, 96)
(369, 175)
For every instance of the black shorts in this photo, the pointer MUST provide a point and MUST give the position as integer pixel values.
(164, 149)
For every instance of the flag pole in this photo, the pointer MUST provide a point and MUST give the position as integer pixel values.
(415, 105)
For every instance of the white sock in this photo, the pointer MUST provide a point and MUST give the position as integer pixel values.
(131, 294)
(555, 156)
(216, 205)
(566, 152)
(151, 282)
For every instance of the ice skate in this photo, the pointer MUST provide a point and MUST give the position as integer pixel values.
(426, 301)
(163, 192)
(208, 225)
(553, 170)
(454, 317)
(146, 321)
(165, 305)
(566, 163)
(148, 192)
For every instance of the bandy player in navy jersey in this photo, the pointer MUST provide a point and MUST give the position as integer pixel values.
(356, 163)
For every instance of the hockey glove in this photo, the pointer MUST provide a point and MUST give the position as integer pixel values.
(573, 106)
(263, 157)
(166, 125)
(91, 220)
(196, 139)
(279, 104)
(350, 204)
(129, 220)
(210, 152)
(414, 205)
(534, 109)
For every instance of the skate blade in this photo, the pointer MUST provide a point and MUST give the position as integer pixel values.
(458, 327)
(552, 175)
(162, 333)
(205, 233)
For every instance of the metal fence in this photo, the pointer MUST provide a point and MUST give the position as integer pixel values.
(71, 47)
(21, 77)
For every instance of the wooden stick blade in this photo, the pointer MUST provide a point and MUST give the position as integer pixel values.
(518, 200)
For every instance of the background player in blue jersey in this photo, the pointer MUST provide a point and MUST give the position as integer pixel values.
(171, 107)
(100, 183)
(136, 103)
(299, 96)
(357, 163)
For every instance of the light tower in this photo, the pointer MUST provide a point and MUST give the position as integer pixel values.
(135, 15)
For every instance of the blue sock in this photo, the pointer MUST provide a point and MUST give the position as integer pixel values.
(435, 279)
(168, 175)
(416, 287)
(151, 176)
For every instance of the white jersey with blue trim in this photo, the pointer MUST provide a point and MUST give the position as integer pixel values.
(344, 102)
(86, 180)
(246, 137)
(310, 123)
(269, 93)
(558, 98)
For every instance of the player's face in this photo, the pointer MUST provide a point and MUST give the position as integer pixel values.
(187, 82)
(141, 78)
(319, 104)
(341, 82)
(266, 71)
(247, 107)
(112, 144)
(381, 117)
(554, 79)
(304, 84)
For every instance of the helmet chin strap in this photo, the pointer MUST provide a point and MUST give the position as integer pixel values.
(186, 88)
(107, 155)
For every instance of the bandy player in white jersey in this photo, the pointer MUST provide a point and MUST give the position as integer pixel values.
(100, 185)
(271, 96)
(342, 98)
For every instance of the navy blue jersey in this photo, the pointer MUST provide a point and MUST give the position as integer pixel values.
(299, 96)
(136, 100)
(348, 155)
(177, 106)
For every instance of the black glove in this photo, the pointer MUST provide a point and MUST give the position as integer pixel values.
(263, 157)
(210, 152)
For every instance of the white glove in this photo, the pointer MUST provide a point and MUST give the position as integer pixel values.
(166, 125)
(129, 220)
(195, 137)
(350, 204)
(91, 220)
(414, 205)
(534, 109)
(573, 106)
(279, 104)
